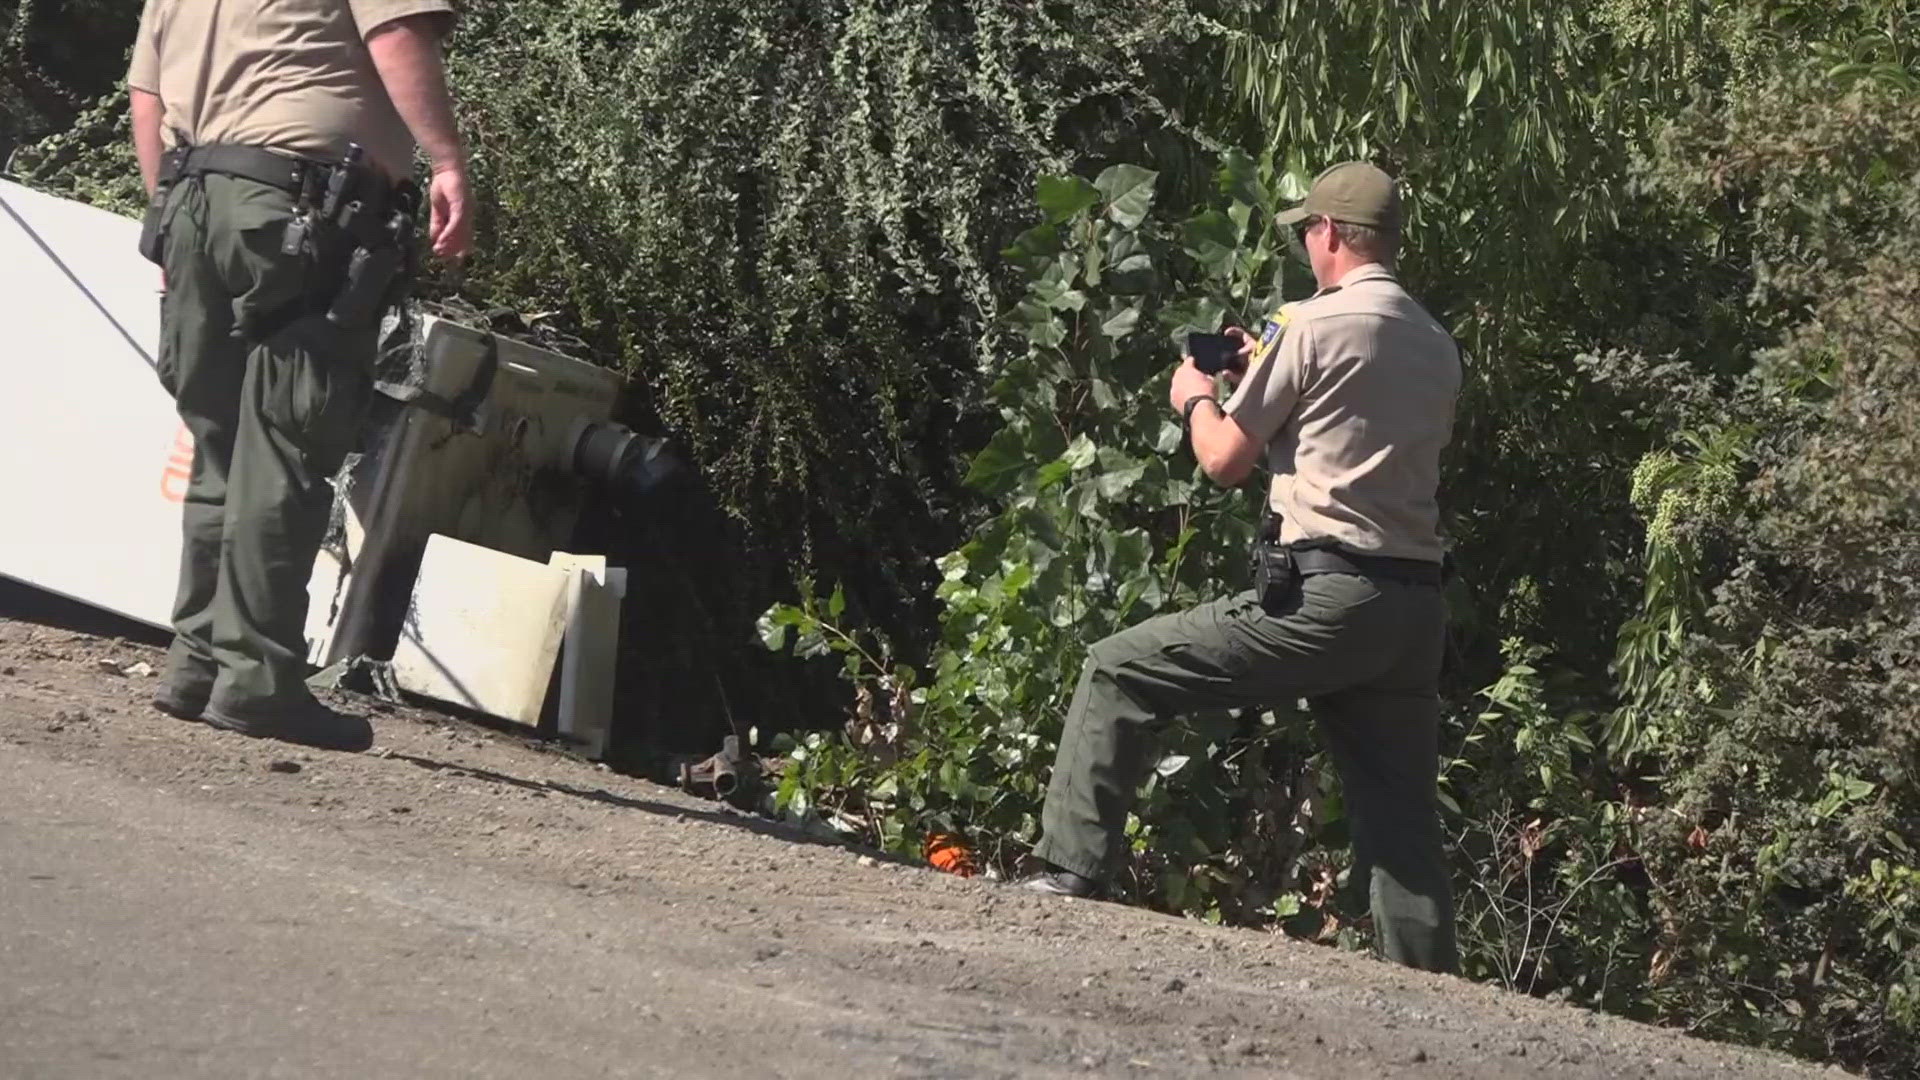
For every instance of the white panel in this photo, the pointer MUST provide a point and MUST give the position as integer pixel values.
(590, 655)
(93, 459)
(483, 630)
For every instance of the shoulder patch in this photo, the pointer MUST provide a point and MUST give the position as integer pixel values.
(1277, 322)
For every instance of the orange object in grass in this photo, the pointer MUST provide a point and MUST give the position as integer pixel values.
(948, 854)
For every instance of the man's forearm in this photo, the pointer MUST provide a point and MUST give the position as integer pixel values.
(1225, 453)
(406, 54)
(145, 108)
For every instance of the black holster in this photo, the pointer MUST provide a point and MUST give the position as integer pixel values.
(1274, 573)
(362, 229)
(153, 225)
(380, 265)
(153, 231)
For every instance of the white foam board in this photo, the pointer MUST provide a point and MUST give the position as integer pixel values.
(95, 458)
(590, 650)
(483, 630)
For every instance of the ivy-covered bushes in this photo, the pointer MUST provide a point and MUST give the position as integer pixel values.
(782, 220)
(1685, 789)
(1099, 524)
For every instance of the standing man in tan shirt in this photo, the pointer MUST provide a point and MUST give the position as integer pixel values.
(276, 139)
(1350, 396)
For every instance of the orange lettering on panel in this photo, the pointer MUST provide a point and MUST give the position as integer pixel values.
(179, 471)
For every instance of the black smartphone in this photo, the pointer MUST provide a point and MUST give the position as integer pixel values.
(1213, 353)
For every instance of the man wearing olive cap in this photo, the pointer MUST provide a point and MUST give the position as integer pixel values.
(1350, 394)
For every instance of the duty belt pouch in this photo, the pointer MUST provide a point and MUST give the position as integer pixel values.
(1274, 574)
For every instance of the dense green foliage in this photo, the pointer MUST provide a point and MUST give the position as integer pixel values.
(57, 57)
(904, 280)
(1686, 790)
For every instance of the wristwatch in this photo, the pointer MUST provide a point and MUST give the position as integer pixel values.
(1186, 411)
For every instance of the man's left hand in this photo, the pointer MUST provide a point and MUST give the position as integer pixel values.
(1188, 380)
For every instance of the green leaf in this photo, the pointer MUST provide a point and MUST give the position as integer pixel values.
(1118, 473)
(1239, 179)
(1056, 294)
(1063, 197)
(953, 566)
(1240, 213)
(1038, 323)
(1018, 578)
(1052, 473)
(1095, 253)
(836, 603)
(1131, 267)
(1294, 180)
(1474, 82)
(996, 468)
(773, 632)
(1031, 249)
(1128, 190)
(1211, 239)
(1132, 552)
(1120, 321)
(811, 643)
(1080, 453)
(1204, 314)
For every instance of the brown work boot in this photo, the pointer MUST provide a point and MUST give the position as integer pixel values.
(306, 722)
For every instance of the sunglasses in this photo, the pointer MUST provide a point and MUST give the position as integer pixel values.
(1297, 238)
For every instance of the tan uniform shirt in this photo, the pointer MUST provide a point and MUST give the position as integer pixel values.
(1353, 392)
(290, 75)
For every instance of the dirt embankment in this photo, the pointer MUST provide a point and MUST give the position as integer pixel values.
(462, 902)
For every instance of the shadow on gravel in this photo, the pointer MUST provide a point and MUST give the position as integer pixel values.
(28, 604)
(742, 822)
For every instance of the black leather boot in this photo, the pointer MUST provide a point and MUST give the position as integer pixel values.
(1054, 881)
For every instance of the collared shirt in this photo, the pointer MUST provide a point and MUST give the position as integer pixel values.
(1353, 393)
(289, 75)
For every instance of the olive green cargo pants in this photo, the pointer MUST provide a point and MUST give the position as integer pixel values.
(1365, 652)
(272, 420)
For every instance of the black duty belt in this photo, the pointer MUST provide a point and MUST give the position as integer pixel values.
(287, 172)
(283, 171)
(1325, 560)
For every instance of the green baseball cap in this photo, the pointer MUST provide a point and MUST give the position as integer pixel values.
(1352, 191)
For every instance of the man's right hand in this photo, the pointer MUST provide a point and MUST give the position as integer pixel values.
(406, 53)
(1248, 346)
(451, 226)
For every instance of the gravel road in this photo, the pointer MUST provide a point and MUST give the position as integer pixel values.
(178, 901)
